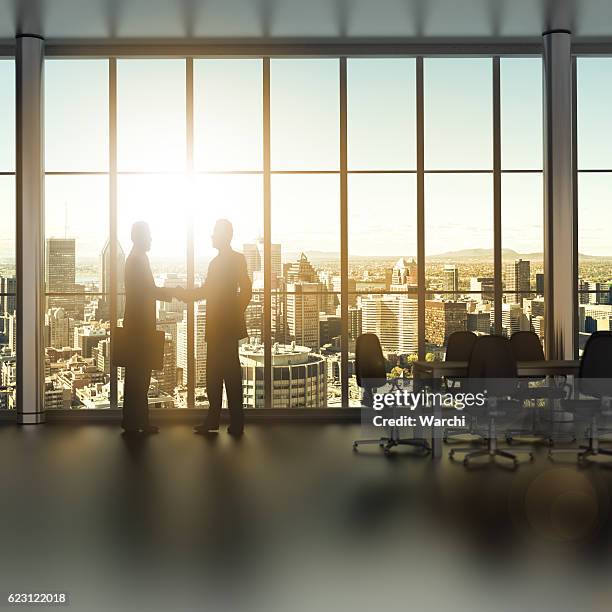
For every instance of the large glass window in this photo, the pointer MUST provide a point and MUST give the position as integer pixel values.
(180, 171)
(594, 152)
(8, 277)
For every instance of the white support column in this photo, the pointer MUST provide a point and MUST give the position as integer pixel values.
(559, 209)
(30, 228)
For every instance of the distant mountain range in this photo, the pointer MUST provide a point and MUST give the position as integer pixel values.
(449, 256)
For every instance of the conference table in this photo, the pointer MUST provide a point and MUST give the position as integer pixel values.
(436, 370)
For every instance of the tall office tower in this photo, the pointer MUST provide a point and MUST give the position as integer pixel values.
(11, 320)
(600, 293)
(8, 303)
(404, 274)
(393, 318)
(200, 346)
(102, 356)
(352, 288)
(583, 287)
(479, 322)
(254, 255)
(303, 313)
(514, 319)
(484, 284)
(299, 378)
(86, 337)
(355, 322)
(517, 278)
(450, 278)
(534, 307)
(166, 377)
(59, 328)
(329, 328)
(595, 317)
(301, 271)
(168, 323)
(442, 318)
(105, 279)
(539, 279)
(60, 272)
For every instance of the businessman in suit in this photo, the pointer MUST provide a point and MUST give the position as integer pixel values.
(139, 321)
(227, 291)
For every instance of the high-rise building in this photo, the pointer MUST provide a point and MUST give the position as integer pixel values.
(517, 278)
(514, 319)
(393, 318)
(539, 279)
(442, 318)
(450, 278)
(299, 377)
(166, 377)
(484, 284)
(301, 271)
(329, 328)
(105, 279)
(60, 272)
(355, 322)
(86, 337)
(59, 328)
(479, 322)
(8, 301)
(404, 274)
(254, 255)
(200, 345)
(303, 302)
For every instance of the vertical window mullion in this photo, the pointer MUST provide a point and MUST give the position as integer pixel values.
(112, 160)
(497, 220)
(575, 271)
(267, 310)
(191, 365)
(344, 331)
(420, 159)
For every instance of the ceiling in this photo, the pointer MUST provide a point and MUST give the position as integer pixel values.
(124, 21)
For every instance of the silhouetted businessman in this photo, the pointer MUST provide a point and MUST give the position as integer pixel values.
(139, 321)
(227, 292)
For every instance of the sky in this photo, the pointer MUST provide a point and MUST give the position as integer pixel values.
(305, 137)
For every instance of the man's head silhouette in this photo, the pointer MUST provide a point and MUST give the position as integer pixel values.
(222, 234)
(141, 235)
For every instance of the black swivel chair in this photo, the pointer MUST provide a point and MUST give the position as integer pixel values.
(595, 382)
(371, 374)
(492, 358)
(459, 348)
(526, 346)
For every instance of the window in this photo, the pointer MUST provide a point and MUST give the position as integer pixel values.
(594, 191)
(8, 277)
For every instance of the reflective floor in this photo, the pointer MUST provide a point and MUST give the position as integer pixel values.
(289, 518)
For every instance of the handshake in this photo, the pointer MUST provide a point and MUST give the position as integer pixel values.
(184, 295)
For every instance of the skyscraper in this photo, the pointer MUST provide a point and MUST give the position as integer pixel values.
(303, 313)
(404, 274)
(60, 271)
(450, 278)
(8, 303)
(442, 318)
(105, 280)
(200, 345)
(393, 318)
(517, 277)
(254, 255)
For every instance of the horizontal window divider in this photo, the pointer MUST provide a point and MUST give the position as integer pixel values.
(305, 172)
(595, 170)
(77, 173)
(80, 294)
(7, 173)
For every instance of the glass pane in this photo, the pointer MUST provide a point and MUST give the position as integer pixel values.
(151, 124)
(8, 289)
(381, 114)
(458, 114)
(305, 114)
(76, 115)
(238, 198)
(595, 254)
(459, 252)
(228, 120)
(161, 201)
(7, 115)
(77, 329)
(594, 100)
(521, 113)
(306, 225)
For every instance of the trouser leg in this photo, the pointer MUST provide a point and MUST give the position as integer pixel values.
(233, 386)
(135, 398)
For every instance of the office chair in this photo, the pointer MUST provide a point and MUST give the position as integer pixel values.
(526, 346)
(492, 358)
(459, 348)
(371, 374)
(594, 381)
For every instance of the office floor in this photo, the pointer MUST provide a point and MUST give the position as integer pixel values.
(289, 518)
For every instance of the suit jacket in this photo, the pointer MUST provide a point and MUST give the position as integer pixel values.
(227, 292)
(141, 293)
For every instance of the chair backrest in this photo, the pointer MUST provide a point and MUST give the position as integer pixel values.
(492, 357)
(526, 346)
(460, 345)
(596, 363)
(369, 359)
